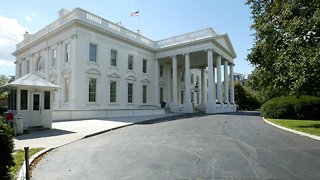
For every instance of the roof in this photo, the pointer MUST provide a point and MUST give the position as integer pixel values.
(31, 81)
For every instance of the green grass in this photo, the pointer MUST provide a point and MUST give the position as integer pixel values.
(306, 126)
(18, 156)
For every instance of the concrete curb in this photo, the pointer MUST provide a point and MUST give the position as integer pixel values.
(293, 131)
(21, 175)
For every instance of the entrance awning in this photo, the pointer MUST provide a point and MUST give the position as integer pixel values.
(31, 81)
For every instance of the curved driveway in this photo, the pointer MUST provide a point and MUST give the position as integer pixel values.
(225, 146)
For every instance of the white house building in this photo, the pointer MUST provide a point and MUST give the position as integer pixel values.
(102, 69)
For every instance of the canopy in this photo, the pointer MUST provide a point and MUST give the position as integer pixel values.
(31, 81)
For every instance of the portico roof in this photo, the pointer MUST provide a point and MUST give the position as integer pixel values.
(31, 81)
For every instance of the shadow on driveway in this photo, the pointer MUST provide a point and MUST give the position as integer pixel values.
(43, 133)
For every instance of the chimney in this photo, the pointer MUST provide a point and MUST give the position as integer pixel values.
(63, 12)
(26, 35)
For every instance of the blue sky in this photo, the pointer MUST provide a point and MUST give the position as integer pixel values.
(158, 20)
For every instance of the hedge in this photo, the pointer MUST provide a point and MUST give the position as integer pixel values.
(290, 107)
(6, 150)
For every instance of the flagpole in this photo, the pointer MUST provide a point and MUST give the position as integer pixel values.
(139, 21)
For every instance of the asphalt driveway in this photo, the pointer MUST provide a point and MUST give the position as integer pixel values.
(226, 146)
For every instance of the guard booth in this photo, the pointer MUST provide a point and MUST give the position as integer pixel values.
(30, 99)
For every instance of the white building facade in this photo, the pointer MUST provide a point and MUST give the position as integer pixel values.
(106, 70)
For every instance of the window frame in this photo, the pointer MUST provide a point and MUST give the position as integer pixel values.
(113, 95)
(93, 52)
(130, 93)
(92, 90)
(144, 94)
(144, 66)
(67, 52)
(113, 60)
(130, 62)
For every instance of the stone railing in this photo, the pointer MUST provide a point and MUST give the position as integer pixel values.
(197, 35)
(91, 19)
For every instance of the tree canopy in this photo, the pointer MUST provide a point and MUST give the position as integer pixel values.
(286, 52)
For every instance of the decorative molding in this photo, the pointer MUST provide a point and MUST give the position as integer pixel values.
(66, 71)
(114, 75)
(93, 71)
(131, 78)
(145, 80)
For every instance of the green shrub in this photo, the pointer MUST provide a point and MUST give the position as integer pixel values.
(245, 98)
(6, 150)
(279, 108)
(308, 107)
(290, 107)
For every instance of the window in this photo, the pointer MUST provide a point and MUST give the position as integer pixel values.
(113, 57)
(144, 66)
(24, 100)
(161, 94)
(68, 52)
(130, 92)
(93, 53)
(192, 97)
(130, 62)
(28, 66)
(66, 90)
(144, 94)
(54, 57)
(161, 70)
(40, 64)
(182, 97)
(113, 91)
(191, 78)
(182, 76)
(198, 98)
(47, 100)
(197, 81)
(92, 89)
(208, 82)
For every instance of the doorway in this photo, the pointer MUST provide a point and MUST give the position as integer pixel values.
(36, 114)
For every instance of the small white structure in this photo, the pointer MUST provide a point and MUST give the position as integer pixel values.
(106, 70)
(30, 100)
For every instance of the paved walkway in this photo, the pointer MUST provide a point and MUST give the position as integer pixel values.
(65, 132)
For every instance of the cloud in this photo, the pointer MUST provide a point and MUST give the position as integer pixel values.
(11, 33)
(34, 14)
(28, 19)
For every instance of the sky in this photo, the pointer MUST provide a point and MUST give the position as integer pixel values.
(159, 19)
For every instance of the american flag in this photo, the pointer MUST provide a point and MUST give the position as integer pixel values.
(135, 13)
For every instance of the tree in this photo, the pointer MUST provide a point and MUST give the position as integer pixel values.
(3, 80)
(6, 146)
(286, 52)
(246, 98)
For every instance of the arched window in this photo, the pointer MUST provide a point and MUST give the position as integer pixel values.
(40, 65)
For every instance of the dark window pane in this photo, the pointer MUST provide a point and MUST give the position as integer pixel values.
(47, 100)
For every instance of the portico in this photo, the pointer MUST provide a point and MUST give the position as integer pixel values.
(210, 56)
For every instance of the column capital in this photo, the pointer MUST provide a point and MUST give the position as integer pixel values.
(187, 53)
(173, 56)
(211, 49)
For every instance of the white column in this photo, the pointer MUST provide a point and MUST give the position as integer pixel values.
(174, 105)
(210, 106)
(219, 88)
(214, 85)
(156, 82)
(226, 91)
(231, 84)
(203, 89)
(187, 105)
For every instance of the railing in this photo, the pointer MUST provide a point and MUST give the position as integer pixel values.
(92, 19)
(99, 22)
(202, 34)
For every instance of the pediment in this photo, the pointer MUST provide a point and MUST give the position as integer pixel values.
(224, 41)
(114, 75)
(93, 71)
(145, 80)
(131, 78)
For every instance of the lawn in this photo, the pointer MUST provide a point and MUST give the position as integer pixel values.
(306, 126)
(18, 156)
